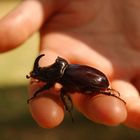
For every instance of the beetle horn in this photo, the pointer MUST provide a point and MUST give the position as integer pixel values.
(36, 63)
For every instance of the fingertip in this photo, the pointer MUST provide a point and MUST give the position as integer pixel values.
(107, 110)
(46, 112)
(131, 94)
(103, 109)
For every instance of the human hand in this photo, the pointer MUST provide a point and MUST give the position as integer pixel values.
(94, 33)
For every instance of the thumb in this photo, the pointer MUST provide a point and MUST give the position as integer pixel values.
(23, 21)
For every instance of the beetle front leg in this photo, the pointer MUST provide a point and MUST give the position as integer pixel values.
(45, 87)
(66, 101)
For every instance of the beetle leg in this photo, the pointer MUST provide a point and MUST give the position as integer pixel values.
(113, 90)
(110, 94)
(45, 87)
(67, 102)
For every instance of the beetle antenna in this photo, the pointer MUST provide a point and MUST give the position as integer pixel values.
(36, 63)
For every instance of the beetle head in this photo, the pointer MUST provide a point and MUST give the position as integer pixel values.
(53, 72)
(36, 69)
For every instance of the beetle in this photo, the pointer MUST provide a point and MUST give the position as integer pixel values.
(73, 78)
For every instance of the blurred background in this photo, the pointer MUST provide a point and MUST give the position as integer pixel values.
(15, 120)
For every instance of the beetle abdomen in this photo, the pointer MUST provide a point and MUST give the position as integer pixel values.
(84, 78)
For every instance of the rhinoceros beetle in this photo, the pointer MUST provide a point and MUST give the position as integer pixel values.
(73, 78)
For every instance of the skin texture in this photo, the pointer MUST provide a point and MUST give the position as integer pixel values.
(106, 37)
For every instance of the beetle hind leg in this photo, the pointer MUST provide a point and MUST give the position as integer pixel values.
(108, 92)
(113, 91)
(67, 102)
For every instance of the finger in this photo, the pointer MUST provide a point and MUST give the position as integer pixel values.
(23, 21)
(46, 109)
(103, 109)
(64, 44)
(130, 94)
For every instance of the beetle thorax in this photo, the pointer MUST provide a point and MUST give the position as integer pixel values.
(60, 66)
(54, 72)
